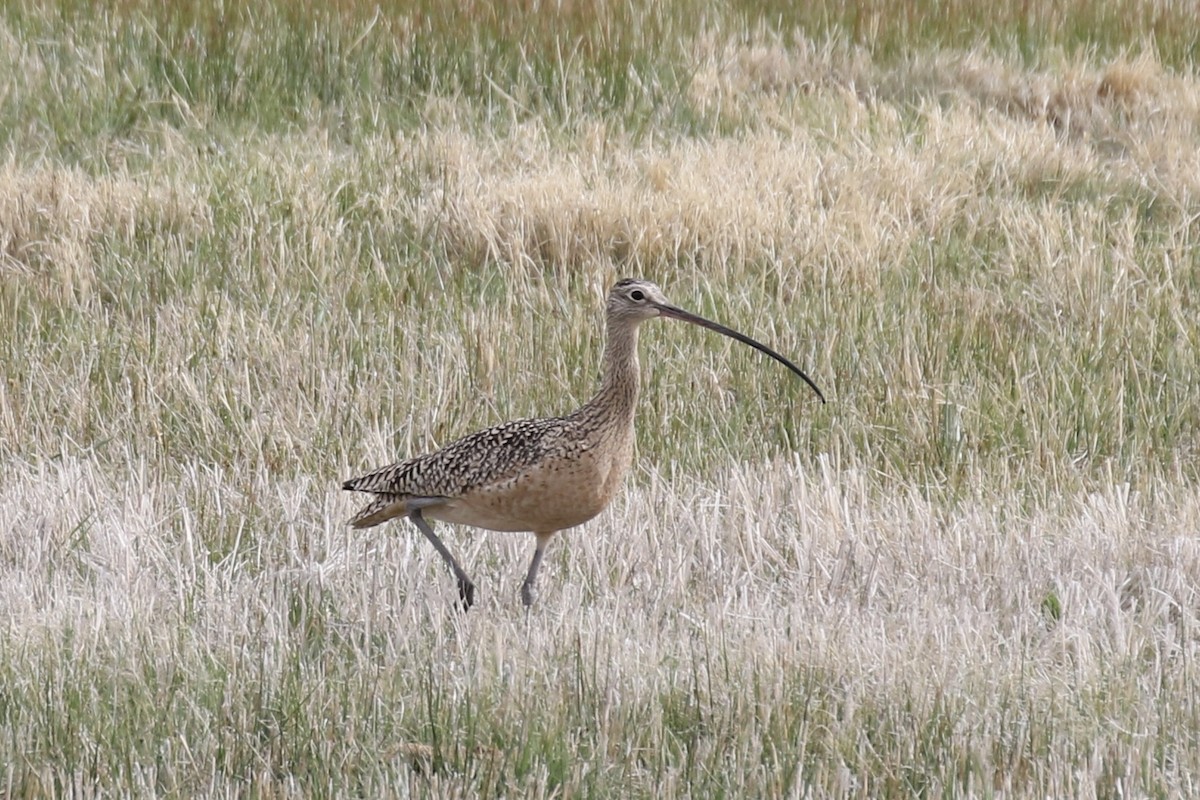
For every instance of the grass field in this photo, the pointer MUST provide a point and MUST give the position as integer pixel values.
(246, 254)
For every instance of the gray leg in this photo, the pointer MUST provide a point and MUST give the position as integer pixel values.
(531, 576)
(466, 589)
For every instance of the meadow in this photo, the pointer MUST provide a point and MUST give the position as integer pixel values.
(247, 253)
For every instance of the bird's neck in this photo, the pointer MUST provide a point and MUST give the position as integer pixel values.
(614, 402)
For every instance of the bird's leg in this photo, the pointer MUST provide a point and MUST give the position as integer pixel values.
(531, 576)
(466, 589)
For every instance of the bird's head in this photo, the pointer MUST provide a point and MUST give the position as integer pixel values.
(631, 301)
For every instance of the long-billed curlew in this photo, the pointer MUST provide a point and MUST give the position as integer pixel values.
(536, 475)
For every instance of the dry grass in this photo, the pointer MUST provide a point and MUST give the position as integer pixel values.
(782, 627)
(225, 286)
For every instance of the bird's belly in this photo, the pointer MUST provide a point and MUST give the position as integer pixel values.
(552, 495)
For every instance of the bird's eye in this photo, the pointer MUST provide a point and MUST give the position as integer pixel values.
(636, 294)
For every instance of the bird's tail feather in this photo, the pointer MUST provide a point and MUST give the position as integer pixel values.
(380, 510)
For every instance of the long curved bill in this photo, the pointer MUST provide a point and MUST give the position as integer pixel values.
(678, 313)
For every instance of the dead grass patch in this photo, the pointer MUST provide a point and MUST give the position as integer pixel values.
(53, 218)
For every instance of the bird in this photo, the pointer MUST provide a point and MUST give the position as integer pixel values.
(542, 475)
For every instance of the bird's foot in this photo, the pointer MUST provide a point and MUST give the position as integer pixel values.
(466, 593)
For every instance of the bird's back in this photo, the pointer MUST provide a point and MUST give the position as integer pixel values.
(537, 475)
(470, 463)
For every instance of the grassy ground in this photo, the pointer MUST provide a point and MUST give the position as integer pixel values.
(244, 256)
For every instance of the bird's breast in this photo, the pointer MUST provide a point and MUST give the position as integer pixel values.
(564, 489)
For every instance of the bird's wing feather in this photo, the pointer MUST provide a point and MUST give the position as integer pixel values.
(476, 460)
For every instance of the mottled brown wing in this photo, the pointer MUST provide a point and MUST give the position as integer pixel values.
(485, 457)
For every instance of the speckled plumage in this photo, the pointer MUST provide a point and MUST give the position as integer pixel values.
(464, 464)
(536, 475)
(527, 475)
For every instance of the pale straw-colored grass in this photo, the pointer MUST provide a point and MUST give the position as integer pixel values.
(787, 623)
